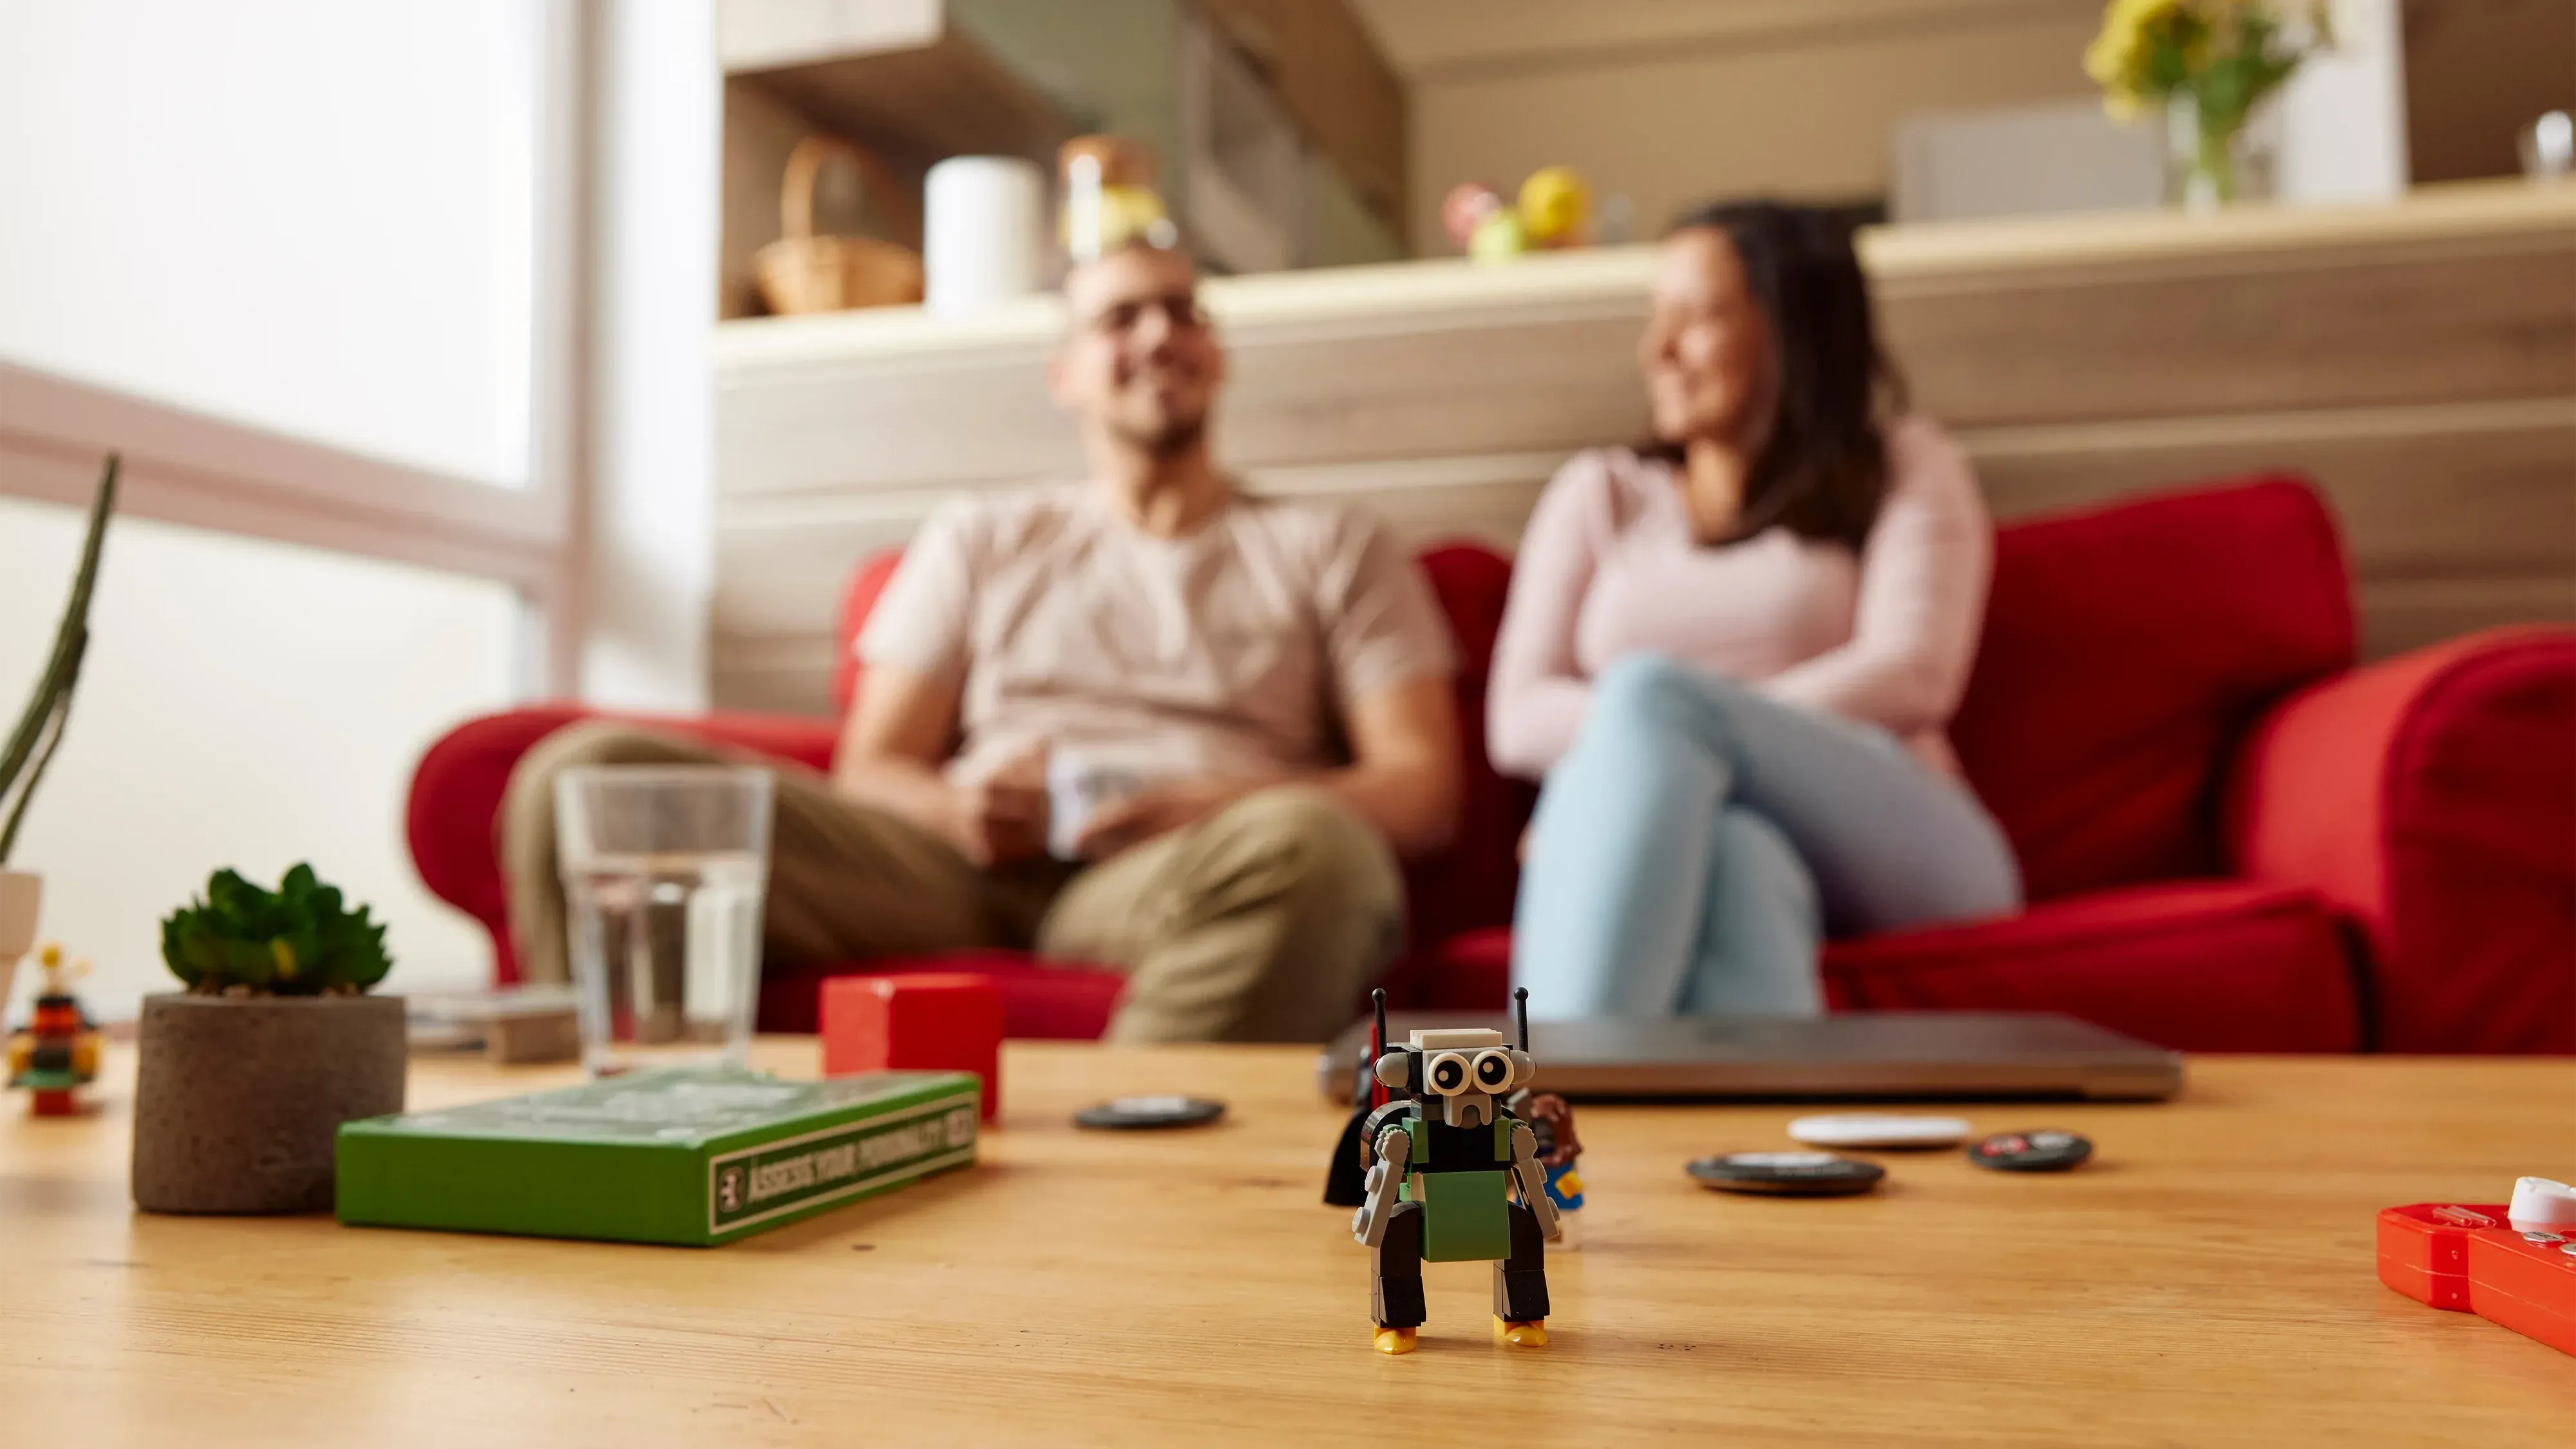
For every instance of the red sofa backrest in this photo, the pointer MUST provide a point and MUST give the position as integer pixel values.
(1471, 884)
(2126, 648)
(867, 581)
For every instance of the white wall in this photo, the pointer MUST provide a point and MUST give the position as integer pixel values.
(656, 205)
(317, 218)
(2024, 160)
(308, 215)
(346, 223)
(245, 704)
(2342, 118)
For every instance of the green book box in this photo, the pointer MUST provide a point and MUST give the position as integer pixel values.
(693, 1156)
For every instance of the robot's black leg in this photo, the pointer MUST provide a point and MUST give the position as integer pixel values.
(1396, 1265)
(1520, 1281)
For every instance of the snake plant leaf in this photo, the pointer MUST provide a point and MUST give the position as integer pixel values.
(30, 746)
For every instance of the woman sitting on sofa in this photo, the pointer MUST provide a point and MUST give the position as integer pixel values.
(1733, 653)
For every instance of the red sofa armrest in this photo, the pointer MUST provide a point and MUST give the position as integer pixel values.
(455, 802)
(2432, 798)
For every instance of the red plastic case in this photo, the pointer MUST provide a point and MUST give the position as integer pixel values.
(2467, 1256)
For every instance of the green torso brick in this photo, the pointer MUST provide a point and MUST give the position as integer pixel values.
(1459, 1176)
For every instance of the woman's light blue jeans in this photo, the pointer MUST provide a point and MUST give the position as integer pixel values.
(1695, 848)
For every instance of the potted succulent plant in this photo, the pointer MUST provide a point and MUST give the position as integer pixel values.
(30, 745)
(246, 1076)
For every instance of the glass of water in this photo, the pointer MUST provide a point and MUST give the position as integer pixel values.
(664, 871)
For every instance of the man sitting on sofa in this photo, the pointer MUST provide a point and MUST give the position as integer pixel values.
(1276, 674)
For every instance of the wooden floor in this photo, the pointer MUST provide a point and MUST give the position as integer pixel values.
(2206, 1281)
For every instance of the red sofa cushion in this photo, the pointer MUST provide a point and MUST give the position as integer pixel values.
(2125, 649)
(2199, 965)
(2433, 797)
(2480, 792)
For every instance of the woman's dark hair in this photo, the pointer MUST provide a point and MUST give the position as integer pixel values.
(1823, 470)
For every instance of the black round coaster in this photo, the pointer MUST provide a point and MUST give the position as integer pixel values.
(1787, 1174)
(1128, 1114)
(2044, 1149)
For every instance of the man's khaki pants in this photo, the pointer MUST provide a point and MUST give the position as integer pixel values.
(1263, 922)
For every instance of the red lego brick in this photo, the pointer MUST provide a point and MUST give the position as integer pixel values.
(938, 1021)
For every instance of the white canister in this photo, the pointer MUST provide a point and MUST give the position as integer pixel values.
(983, 231)
(2542, 1204)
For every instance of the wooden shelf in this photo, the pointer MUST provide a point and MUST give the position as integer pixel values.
(897, 74)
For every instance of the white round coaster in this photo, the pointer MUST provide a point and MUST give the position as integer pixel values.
(1879, 1129)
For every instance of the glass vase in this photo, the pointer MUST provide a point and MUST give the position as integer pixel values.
(2214, 159)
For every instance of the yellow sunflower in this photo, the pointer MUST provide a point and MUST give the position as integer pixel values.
(2118, 56)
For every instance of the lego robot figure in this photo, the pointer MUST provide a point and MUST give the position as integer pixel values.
(1453, 1176)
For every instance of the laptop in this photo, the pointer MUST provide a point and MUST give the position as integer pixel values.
(1860, 1054)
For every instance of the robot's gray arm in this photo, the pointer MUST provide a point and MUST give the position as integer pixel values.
(1394, 1150)
(1533, 1180)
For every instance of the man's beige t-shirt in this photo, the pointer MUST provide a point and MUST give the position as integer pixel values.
(1233, 651)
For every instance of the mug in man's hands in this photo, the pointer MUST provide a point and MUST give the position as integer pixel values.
(1079, 784)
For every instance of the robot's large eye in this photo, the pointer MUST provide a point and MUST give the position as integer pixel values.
(1448, 1074)
(1493, 1071)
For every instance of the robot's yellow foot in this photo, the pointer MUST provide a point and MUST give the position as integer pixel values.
(1395, 1340)
(1532, 1334)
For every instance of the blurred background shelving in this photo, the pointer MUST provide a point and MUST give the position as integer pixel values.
(1278, 127)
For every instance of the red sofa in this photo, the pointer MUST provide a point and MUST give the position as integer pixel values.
(2232, 839)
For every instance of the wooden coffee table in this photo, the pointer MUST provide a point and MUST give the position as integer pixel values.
(2207, 1280)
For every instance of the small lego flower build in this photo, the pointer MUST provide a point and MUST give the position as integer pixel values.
(56, 1053)
(1453, 1176)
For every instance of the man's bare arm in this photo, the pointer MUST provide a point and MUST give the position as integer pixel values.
(899, 732)
(1403, 775)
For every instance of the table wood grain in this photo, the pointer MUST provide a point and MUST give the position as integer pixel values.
(2206, 1281)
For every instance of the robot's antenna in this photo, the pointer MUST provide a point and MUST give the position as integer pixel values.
(1520, 995)
(1375, 1095)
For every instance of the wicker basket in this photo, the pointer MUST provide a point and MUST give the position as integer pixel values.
(802, 272)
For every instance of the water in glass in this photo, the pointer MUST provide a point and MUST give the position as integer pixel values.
(664, 875)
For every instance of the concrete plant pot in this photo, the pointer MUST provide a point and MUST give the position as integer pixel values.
(238, 1100)
(21, 892)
